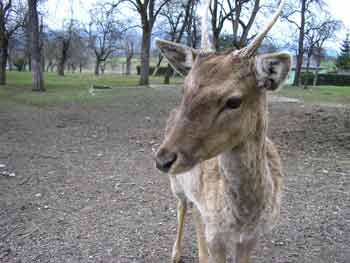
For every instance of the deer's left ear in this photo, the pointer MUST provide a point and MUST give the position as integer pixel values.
(180, 57)
(272, 70)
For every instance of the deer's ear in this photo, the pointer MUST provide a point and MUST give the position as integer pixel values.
(272, 70)
(180, 57)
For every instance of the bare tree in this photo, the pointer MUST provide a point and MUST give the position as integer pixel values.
(320, 30)
(300, 14)
(11, 19)
(79, 51)
(178, 16)
(50, 51)
(36, 46)
(81, 54)
(218, 17)
(148, 11)
(129, 53)
(64, 39)
(240, 13)
(104, 31)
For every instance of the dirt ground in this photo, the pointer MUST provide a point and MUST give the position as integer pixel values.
(85, 188)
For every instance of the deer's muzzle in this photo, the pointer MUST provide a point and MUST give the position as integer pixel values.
(165, 159)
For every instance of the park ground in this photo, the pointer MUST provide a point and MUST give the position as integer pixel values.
(85, 188)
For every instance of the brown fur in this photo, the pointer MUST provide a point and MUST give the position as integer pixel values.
(225, 164)
(216, 148)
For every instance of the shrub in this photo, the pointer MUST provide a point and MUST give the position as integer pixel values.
(19, 63)
(161, 71)
(326, 79)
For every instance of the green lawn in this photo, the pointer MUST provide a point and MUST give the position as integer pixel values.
(68, 89)
(75, 87)
(319, 94)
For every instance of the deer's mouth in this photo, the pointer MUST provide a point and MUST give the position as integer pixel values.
(174, 163)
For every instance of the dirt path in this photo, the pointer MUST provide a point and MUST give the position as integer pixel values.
(86, 189)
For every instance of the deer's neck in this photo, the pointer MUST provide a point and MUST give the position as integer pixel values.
(246, 174)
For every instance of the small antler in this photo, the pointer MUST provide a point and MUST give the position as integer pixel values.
(205, 41)
(251, 49)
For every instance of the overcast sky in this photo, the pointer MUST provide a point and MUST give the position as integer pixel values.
(59, 10)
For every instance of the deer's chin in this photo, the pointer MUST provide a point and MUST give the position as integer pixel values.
(179, 170)
(182, 166)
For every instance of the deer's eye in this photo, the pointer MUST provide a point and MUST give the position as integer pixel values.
(233, 103)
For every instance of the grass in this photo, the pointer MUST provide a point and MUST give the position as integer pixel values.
(319, 94)
(75, 88)
(68, 89)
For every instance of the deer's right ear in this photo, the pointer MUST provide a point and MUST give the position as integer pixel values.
(180, 57)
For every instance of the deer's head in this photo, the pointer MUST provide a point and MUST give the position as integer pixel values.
(222, 97)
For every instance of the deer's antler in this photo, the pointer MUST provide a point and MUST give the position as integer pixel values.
(251, 49)
(205, 41)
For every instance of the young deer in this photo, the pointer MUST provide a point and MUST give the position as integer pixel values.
(216, 147)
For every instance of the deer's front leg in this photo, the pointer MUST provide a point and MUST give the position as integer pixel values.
(201, 242)
(216, 249)
(181, 212)
(244, 249)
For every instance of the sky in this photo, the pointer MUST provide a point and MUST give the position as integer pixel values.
(60, 10)
(339, 11)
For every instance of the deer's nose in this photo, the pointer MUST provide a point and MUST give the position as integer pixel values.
(165, 159)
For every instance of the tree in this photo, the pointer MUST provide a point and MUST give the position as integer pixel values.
(178, 16)
(64, 39)
(148, 11)
(241, 14)
(36, 46)
(79, 51)
(320, 29)
(104, 32)
(11, 19)
(129, 53)
(50, 51)
(343, 60)
(302, 10)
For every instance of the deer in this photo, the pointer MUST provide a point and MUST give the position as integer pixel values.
(216, 150)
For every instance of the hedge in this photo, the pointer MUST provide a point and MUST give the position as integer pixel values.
(326, 79)
(161, 71)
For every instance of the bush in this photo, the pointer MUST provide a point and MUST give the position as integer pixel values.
(326, 79)
(161, 71)
(19, 63)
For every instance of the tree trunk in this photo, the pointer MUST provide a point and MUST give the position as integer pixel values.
(3, 61)
(216, 40)
(97, 67)
(73, 67)
(29, 62)
(316, 72)
(194, 34)
(38, 80)
(48, 66)
(60, 68)
(297, 79)
(42, 59)
(128, 65)
(145, 50)
(9, 60)
(167, 75)
(80, 67)
(103, 67)
(63, 59)
(307, 69)
(160, 58)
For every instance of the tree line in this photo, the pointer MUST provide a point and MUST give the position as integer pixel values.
(27, 42)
